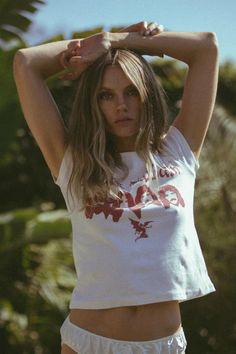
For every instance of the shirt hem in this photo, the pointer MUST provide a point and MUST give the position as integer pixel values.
(181, 297)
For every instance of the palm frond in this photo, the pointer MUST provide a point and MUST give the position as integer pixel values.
(13, 20)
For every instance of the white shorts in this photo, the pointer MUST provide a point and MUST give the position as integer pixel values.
(85, 342)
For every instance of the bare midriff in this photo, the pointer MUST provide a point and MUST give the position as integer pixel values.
(132, 323)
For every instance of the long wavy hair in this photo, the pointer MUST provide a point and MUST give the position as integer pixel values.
(94, 154)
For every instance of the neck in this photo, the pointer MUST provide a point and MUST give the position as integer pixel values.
(126, 144)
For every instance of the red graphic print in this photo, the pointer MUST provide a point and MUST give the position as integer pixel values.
(108, 207)
(169, 171)
(140, 228)
(170, 195)
(167, 196)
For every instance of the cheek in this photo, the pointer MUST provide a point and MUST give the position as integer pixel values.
(107, 110)
(136, 106)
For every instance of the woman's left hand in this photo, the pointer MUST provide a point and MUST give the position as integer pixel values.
(81, 53)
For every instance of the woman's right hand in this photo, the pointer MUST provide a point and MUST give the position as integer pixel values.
(81, 53)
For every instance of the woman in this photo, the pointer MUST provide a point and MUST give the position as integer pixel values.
(127, 181)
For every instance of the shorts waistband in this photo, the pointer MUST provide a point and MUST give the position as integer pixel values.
(179, 332)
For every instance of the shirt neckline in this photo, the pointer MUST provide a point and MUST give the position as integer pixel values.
(128, 152)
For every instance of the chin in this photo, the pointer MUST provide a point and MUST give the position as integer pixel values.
(125, 134)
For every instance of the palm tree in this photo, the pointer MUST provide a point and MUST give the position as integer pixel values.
(13, 20)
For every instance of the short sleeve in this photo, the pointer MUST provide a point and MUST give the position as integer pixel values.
(175, 145)
(65, 169)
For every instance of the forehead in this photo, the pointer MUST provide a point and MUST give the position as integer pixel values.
(114, 76)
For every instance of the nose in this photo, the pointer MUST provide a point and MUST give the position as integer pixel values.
(121, 104)
(121, 107)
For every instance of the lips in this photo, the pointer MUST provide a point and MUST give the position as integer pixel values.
(124, 119)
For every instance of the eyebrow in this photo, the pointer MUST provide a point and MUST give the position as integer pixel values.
(110, 89)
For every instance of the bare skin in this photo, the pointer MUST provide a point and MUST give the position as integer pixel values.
(131, 323)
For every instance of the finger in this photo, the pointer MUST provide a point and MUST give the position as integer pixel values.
(74, 44)
(140, 27)
(143, 27)
(75, 52)
(85, 59)
(63, 60)
(153, 29)
(147, 33)
(152, 26)
(77, 59)
(136, 27)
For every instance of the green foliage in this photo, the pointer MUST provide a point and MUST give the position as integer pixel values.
(37, 277)
(9, 104)
(215, 214)
(227, 87)
(12, 19)
(171, 75)
(90, 32)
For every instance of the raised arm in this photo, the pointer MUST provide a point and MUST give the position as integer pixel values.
(32, 66)
(200, 52)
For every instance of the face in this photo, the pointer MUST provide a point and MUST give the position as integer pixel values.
(172, 197)
(120, 103)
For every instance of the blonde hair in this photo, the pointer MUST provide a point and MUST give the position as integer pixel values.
(93, 152)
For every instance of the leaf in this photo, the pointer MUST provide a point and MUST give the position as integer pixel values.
(12, 19)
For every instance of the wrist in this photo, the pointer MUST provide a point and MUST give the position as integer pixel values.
(136, 42)
(118, 40)
(106, 39)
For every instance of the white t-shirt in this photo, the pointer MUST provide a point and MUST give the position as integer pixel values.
(144, 248)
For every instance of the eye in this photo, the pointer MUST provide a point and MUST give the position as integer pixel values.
(132, 91)
(105, 95)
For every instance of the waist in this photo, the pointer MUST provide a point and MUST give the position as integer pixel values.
(142, 322)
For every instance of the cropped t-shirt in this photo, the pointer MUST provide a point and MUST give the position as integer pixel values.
(143, 248)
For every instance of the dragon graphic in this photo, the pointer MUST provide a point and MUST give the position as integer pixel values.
(140, 228)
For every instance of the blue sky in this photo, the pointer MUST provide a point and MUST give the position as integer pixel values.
(66, 16)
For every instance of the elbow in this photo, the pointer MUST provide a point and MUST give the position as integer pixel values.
(20, 62)
(211, 41)
(19, 59)
(17, 63)
(207, 47)
(21, 55)
(212, 37)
